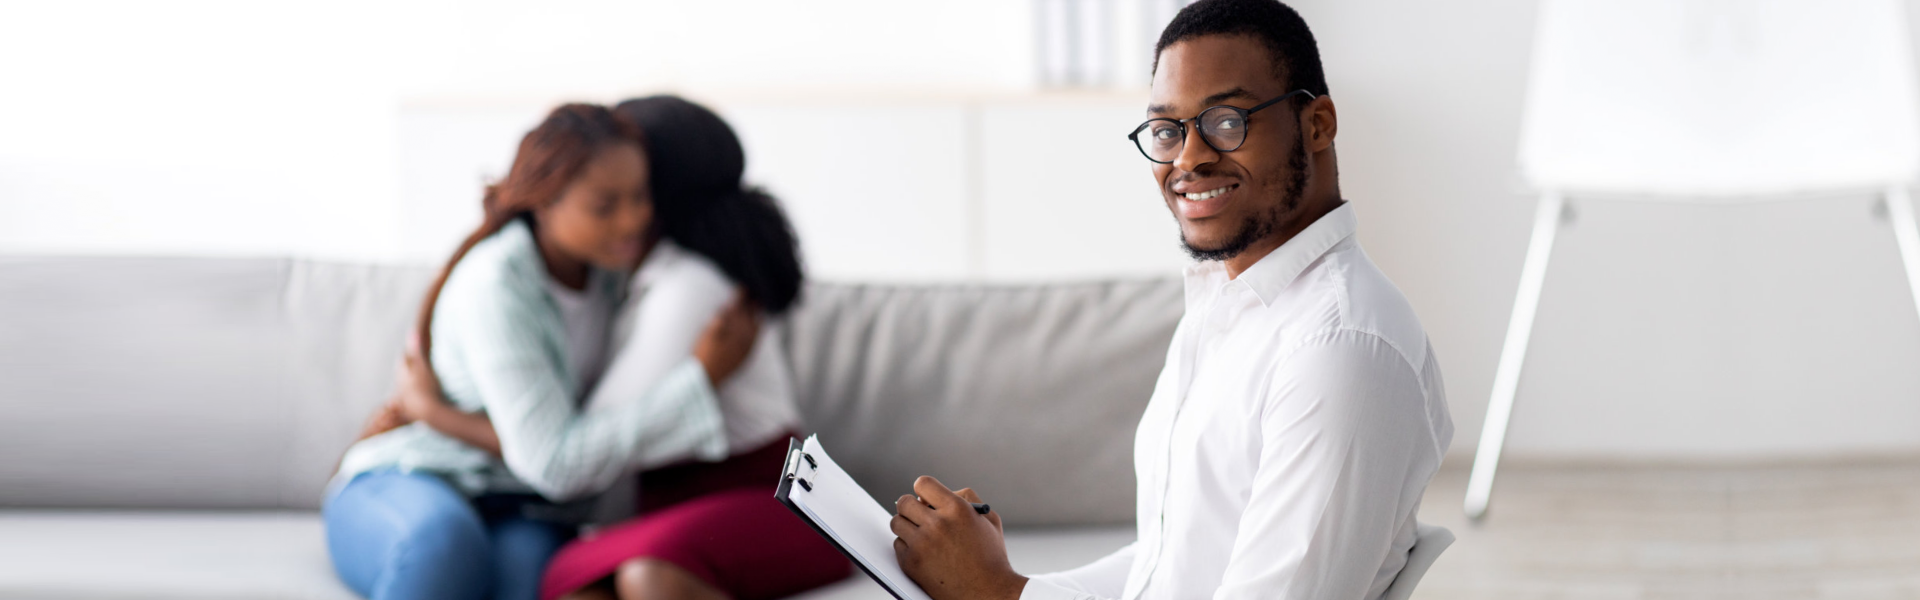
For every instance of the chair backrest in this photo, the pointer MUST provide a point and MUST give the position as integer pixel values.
(1431, 540)
(1720, 99)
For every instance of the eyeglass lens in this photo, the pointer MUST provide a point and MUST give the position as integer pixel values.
(1223, 128)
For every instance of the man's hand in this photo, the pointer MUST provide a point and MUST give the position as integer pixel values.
(951, 551)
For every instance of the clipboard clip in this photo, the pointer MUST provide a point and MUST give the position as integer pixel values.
(794, 457)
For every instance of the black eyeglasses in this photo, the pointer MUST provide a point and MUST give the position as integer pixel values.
(1223, 128)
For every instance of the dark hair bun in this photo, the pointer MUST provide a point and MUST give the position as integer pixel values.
(695, 163)
(748, 237)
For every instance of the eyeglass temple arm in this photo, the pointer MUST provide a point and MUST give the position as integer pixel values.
(1282, 98)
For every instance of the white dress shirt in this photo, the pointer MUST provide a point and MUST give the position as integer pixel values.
(1283, 454)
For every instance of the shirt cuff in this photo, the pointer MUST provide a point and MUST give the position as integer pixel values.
(1041, 589)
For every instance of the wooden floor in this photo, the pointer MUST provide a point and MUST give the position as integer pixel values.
(1830, 531)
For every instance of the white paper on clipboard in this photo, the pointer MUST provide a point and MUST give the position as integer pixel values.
(823, 494)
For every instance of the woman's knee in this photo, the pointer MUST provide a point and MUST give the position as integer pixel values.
(451, 536)
(441, 554)
(401, 536)
(654, 579)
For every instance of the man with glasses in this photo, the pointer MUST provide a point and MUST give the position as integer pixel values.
(1300, 414)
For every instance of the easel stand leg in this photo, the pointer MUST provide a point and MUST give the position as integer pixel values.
(1900, 212)
(1506, 380)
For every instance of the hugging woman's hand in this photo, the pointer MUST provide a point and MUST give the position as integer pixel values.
(728, 339)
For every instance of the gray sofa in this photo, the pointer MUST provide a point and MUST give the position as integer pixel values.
(168, 424)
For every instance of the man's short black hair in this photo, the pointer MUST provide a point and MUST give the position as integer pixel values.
(1296, 58)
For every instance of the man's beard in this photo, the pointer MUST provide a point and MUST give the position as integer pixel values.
(1258, 226)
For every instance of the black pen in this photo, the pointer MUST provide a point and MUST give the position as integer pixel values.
(979, 507)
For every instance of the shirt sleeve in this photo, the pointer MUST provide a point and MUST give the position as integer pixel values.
(555, 449)
(657, 332)
(1098, 580)
(1341, 470)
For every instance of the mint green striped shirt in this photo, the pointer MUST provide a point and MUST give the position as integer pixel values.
(499, 346)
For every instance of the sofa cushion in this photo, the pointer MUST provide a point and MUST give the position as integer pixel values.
(1029, 394)
(143, 382)
(60, 555)
(239, 555)
(190, 383)
(237, 383)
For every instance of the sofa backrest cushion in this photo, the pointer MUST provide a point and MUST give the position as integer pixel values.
(237, 383)
(1028, 394)
(189, 383)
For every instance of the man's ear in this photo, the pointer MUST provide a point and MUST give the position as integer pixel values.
(1320, 121)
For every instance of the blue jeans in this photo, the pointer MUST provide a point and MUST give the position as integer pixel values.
(397, 536)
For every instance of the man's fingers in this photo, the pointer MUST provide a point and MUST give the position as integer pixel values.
(910, 509)
(993, 516)
(902, 553)
(936, 494)
(968, 494)
(901, 526)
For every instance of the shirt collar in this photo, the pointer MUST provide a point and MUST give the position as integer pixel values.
(1277, 270)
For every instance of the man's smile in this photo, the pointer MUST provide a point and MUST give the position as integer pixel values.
(1203, 199)
(1208, 194)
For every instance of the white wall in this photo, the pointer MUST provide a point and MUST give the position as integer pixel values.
(193, 128)
(1018, 188)
(1753, 332)
(231, 127)
(1665, 332)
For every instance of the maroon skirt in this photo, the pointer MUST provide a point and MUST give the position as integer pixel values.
(718, 521)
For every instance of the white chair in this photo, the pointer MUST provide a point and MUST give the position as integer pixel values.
(1431, 541)
(1706, 101)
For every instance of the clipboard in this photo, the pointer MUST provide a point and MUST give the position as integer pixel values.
(823, 495)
